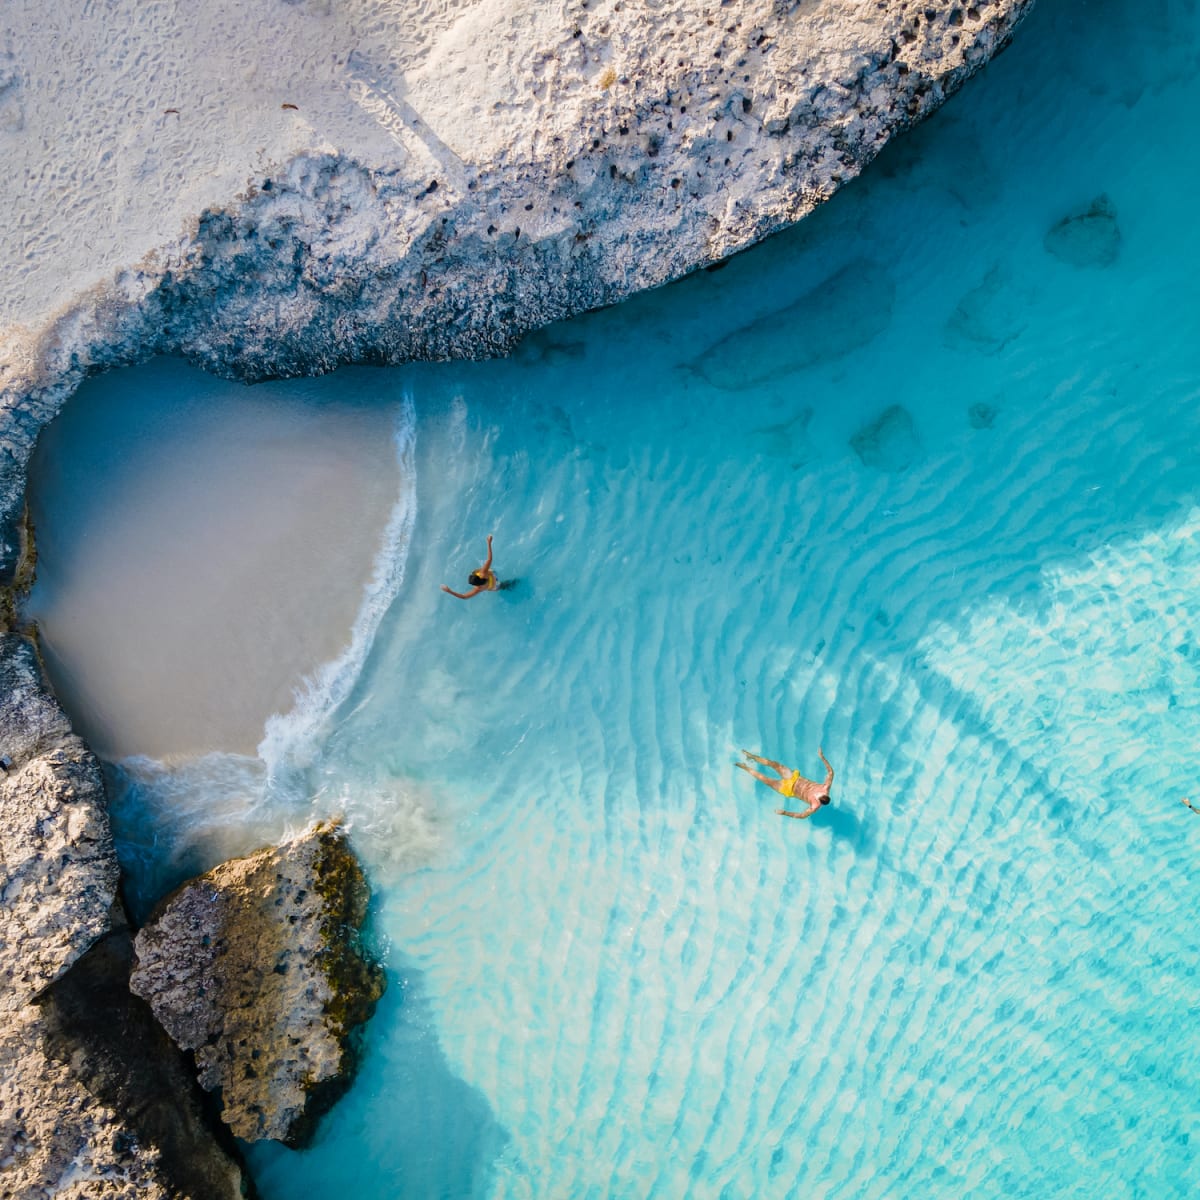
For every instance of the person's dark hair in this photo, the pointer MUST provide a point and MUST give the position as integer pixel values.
(476, 580)
(824, 799)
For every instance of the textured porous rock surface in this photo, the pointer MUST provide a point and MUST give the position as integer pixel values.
(256, 966)
(94, 1099)
(98, 1102)
(58, 872)
(510, 165)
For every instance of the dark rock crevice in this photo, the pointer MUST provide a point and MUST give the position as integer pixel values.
(111, 1045)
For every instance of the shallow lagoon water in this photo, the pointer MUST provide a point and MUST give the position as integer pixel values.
(956, 548)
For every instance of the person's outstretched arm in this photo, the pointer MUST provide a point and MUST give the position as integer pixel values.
(462, 595)
(808, 812)
(487, 566)
(828, 768)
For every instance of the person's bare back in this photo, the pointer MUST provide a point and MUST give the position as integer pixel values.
(791, 784)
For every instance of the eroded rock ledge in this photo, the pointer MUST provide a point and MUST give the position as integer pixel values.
(256, 967)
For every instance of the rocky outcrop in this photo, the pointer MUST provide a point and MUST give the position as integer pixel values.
(538, 162)
(59, 872)
(94, 1100)
(256, 967)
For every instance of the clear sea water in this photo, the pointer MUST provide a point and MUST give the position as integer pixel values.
(901, 484)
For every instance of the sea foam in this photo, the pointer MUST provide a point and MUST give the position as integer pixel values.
(290, 740)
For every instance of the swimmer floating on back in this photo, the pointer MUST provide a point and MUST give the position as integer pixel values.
(792, 784)
(1190, 805)
(482, 580)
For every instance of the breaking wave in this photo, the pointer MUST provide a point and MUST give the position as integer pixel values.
(291, 740)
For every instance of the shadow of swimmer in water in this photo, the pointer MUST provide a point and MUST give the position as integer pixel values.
(791, 784)
(483, 579)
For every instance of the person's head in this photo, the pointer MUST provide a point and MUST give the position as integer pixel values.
(824, 799)
(477, 579)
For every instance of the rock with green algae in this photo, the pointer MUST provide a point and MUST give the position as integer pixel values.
(258, 968)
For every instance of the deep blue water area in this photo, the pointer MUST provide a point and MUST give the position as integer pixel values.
(917, 483)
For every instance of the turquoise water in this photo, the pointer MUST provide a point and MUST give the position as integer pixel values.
(939, 515)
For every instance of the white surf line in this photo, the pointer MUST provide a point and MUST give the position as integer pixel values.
(290, 739)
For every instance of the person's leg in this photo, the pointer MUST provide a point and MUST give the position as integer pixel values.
(771, 783)
(768, 762)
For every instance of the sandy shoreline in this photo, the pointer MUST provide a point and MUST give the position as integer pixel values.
(204, 547)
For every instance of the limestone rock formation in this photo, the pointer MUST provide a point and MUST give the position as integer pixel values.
(256, 967)
(94, 1100)
(58, 872)
(100, 1103)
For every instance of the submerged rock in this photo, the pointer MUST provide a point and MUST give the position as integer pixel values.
(890, 442)
(989, 316)
(256, 966)
(982, 415)
(846, 311)
(1089, 238)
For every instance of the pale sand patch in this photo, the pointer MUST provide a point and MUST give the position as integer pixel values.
(98, 172)
(203, 546)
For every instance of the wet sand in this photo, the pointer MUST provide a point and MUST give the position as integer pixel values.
(202, 547)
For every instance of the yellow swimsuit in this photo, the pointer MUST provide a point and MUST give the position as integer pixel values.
(789, 786)
(490, 576)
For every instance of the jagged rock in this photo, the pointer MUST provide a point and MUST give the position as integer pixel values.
(1089, 238)
(256, 967)
(94, 1100)
(97, 1102)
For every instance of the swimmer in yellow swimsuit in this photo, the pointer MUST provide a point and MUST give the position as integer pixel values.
(482, 580)
(792, 785)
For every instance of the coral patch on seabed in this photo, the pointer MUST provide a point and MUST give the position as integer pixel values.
(256, 967)
(890, 442)
(1089, 238)
(987, 317)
